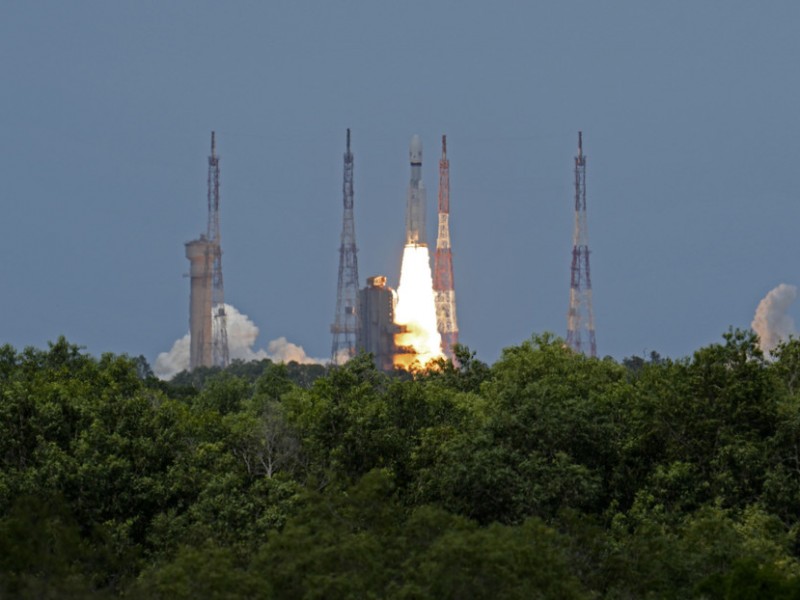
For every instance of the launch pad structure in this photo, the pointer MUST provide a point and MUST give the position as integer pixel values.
(443, 263)
(365, 318)
(345, 328)
(200, 253)
(580, 317)
(208, 329)
(377, 327)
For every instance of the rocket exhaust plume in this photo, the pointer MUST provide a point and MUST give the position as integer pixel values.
(416, 310)
(419, 341)
(772, 322)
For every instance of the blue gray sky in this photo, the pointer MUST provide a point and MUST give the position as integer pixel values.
(689, 114)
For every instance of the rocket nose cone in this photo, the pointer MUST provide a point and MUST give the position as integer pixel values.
(415, 149)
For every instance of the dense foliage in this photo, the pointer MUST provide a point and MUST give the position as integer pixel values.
(546, 475)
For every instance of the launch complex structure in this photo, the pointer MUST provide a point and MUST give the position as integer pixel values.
(580, 317)
(443, 263)
(365, 319)
(207, 319)
(346, 325)
(368, 323)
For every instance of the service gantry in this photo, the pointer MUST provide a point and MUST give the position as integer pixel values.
(580, 317)
(219, 337)
(443, 263)
(346, 322)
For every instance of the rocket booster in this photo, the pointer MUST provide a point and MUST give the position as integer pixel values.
(415, 209)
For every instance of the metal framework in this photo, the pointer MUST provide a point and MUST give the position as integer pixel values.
(443, 263)
(346, 323)
(580, 317)
(219, 344)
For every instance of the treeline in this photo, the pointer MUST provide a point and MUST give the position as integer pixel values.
(545, 475)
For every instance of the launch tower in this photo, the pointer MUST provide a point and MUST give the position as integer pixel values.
(443, 263)
(207, 320)
(580, 317)
(346, 324)
(219, 344)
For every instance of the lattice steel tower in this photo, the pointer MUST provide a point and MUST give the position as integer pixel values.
(345, 327)
(580, 318)
(219, 335)
(443, 263)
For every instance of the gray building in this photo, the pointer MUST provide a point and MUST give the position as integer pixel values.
(377, 327)
(200, 253)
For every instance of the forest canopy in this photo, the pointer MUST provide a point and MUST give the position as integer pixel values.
(544, 475)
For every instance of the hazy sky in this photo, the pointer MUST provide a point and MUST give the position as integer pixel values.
(689, 111)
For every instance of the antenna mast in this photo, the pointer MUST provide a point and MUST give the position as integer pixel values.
(443, 263)
(580, 317)
(345, 327)
(219, 345)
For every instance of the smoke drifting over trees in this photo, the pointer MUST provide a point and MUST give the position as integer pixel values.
(772, 322)
(242, 334)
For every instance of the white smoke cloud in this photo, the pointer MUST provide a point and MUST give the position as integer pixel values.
(281, 350)
(772, 322)
(242, 334)
(169, 364)
(342, 356)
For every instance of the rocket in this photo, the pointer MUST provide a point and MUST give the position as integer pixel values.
(415, 209)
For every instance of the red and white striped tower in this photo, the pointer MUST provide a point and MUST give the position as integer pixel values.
(443, 263)
(580, 317)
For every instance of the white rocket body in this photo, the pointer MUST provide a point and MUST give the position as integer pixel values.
(415, 208)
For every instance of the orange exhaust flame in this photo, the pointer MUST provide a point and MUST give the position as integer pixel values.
(419, 342)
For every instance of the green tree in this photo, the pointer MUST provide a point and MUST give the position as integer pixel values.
(207, 571)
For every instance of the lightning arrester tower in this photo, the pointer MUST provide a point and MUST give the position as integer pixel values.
(580, 317)
(346, 324)
(443, 263)
(219, 336)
